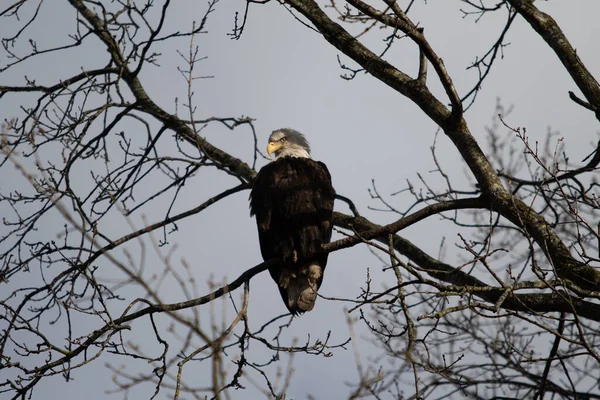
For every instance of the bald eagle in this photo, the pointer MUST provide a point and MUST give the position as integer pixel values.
(292, 199)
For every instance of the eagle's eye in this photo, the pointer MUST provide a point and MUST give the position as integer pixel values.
(283, 139)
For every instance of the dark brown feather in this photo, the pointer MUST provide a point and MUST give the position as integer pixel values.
(292, 199)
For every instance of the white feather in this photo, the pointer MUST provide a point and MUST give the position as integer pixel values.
(292, 150)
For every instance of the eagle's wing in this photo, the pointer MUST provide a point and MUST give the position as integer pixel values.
(292, 199)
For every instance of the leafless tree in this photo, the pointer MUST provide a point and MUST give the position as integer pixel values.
(95, 146)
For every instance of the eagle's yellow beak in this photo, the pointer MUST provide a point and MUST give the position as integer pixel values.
(272, 147)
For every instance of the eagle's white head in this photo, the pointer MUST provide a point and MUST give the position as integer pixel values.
(287, 142)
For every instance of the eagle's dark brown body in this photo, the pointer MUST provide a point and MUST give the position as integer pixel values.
(292, 199)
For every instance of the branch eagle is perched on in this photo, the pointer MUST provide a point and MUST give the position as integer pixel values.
(292, 199)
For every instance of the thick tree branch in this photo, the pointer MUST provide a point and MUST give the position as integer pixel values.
(549, 30)
(402, 22)
(557, 301)
(402, 223)
(382, 70)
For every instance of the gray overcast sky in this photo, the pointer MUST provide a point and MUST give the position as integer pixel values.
(283, 74)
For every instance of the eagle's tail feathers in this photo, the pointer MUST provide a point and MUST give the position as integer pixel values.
(301, 287)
